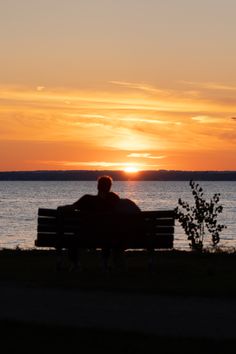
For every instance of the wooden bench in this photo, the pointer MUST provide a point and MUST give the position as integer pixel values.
(149, 230)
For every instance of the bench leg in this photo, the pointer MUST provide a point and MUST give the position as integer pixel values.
(59, 259)
(105, 258)
(151, 259)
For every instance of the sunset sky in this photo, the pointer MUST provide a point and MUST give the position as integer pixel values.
(108, 84)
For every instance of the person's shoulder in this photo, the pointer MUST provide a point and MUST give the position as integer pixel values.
(85, 201)
(84, 198)
(128, 205)
(87, 197)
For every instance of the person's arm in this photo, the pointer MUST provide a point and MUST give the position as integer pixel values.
(66, 207)
(82, 203)
(74, 206)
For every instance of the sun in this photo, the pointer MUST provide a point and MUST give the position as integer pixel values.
(131, 169)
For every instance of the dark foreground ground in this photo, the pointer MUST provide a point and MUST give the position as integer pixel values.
(174, 272)
(187, 304)
(27, 338)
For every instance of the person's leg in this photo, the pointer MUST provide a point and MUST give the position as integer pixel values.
(119, 258)
(106, 251)
(73, 255)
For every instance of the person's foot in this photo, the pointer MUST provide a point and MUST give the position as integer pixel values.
(75, 268)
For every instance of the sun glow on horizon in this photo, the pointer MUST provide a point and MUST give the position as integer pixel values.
(131, 169)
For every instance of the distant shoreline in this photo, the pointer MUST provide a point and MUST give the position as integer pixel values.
(92, 175)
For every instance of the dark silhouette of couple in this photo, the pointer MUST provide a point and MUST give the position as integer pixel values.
(105, 201)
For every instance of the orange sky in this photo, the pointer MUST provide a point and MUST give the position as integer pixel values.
(147, 84)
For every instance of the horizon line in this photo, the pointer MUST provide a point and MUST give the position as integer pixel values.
(105, 170)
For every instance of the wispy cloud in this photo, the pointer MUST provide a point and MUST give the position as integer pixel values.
(123, 120)
(145, 120)
(208, 119)
(40, 88)
(139, 86)
(99, 164)
(210, 85)
(145, 156)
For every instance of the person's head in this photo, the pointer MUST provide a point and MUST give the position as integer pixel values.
(104, 184)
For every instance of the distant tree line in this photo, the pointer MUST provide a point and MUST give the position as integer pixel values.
(92, 175)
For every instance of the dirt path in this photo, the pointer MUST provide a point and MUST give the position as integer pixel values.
(161, 315)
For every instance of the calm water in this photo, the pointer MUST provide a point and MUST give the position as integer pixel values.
(19, 203)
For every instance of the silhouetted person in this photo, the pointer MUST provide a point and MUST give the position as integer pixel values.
(104, 201)
(123, 206)
(95, 203)
(104, 186)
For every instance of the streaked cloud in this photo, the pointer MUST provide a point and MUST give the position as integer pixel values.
(40, 88)
(145, 155)
(210, 85)
(142, 122)
(139, 86)
(100, 164)
(208, 119)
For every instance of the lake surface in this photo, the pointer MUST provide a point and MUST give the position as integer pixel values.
(19, 203)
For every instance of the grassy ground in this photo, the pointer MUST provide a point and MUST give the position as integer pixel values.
(175, 272)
